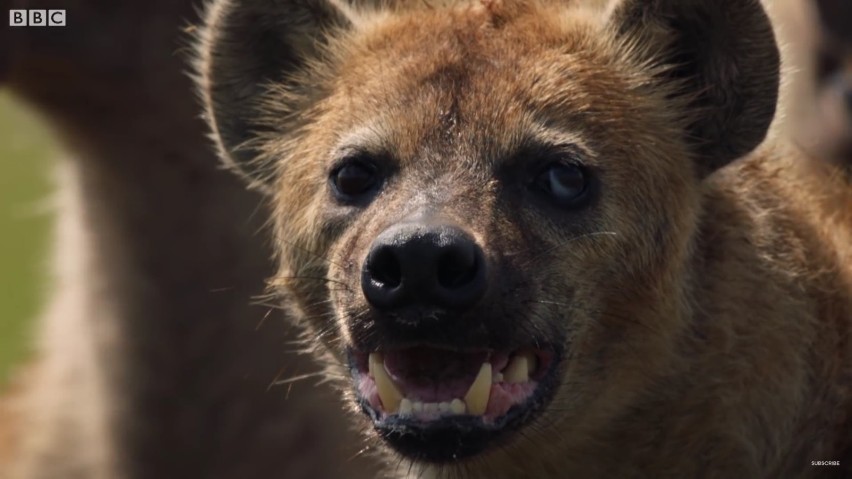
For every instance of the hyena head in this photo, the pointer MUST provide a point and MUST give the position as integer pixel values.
(483, 210)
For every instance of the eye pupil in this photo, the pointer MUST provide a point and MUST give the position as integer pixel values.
(355, 179)
(562, 183)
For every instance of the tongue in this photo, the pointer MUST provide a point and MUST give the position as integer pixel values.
(432, 374)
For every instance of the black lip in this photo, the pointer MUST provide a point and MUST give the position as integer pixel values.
(457, 438)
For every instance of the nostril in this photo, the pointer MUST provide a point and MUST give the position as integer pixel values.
(385, 268)
(382, 277)
(412, 264)
(457, 267)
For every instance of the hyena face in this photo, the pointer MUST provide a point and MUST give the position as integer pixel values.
(468, 210)
(483, 210)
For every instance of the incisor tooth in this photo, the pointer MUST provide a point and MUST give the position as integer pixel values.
(457, 406)
(518, 371)
(477, 396)
(498, 377)
(417, 406)
(444, 407)
(388, 392)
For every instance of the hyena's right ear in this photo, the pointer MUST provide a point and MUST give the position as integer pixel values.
(245, 47)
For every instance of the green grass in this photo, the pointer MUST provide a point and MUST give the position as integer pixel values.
(26, 152)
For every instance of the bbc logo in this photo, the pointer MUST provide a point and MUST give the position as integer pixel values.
(36, 18)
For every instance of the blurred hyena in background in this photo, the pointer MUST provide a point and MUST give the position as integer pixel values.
(154, 359)
(818, 39)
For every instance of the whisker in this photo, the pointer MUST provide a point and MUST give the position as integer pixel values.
(359, 453)
(572, 240)
(301, 377)
(323, 258)
(624, 319)
(263, 319)
(279, 280)
(271, 306)
(557, 303)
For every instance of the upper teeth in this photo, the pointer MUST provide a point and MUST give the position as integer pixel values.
(475, 401)
(480, 391)
(388, 392)
(518, 371)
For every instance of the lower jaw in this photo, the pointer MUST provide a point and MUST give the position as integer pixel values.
(443, 441)
(452, 439)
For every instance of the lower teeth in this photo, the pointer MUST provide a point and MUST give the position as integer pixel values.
(408, 407)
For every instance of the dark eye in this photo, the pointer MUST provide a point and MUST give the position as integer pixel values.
(354, 179)
(563, 184)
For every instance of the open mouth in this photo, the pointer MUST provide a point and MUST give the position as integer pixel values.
(440, 405)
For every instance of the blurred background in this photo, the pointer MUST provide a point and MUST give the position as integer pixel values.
(26, 153)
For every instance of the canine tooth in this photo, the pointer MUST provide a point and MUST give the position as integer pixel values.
(457, 406)
(375, 358)
(417, 407)
(444, 407)
(405, 407)
(518, 371)
(388, 392)
(532, 363)
(477, 396)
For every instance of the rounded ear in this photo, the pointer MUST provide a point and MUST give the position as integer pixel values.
(720, 57)
(245, 48)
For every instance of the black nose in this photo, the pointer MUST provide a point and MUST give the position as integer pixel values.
(847, 98)
(430, 265)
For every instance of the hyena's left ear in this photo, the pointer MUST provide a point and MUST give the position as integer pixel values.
(245, 47)
(724, 58)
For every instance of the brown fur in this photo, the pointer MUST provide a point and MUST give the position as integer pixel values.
(705, 303)
(154, 358)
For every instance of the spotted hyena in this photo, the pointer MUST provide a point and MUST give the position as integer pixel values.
(543, 238)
